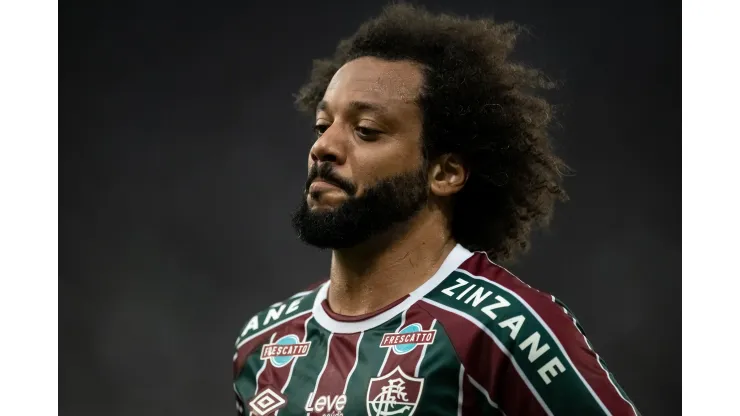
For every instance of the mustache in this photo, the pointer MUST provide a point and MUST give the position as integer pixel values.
(325, 172)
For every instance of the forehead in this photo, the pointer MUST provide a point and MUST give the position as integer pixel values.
(376, 81)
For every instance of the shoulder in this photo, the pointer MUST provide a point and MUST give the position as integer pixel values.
(504, 329)
(298, 305)
(517, 319)
(551, 314)
(478, 282)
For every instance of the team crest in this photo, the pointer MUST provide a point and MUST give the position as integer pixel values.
(282, 351)
(394, 394)
(405, 340)
(266, 402)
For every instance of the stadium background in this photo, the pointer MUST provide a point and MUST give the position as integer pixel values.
(182, 156)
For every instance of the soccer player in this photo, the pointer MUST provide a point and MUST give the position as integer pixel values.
(431, 163)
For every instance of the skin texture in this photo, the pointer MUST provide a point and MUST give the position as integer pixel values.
(392, 263)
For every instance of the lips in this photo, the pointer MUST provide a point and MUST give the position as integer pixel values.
(322, 185)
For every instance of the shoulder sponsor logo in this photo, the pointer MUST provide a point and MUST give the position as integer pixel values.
(394, 394)
(266, 402)
(532, 343)
(326, 405)
(282, 351)
(408, 338)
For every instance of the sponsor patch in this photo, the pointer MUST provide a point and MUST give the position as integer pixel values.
(408, 338)
(267, 401)
(395, 393)
(326, 405)
(282, 351)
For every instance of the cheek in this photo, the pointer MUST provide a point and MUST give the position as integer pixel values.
(385, 163)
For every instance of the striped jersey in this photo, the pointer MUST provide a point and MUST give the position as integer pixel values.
(472, 340)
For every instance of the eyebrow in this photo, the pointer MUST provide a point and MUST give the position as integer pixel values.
(355, 106)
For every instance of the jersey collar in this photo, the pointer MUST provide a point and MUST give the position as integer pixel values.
(456, 257)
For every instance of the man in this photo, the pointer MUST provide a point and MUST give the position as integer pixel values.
(431, 161)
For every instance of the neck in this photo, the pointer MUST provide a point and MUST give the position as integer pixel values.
(378, 272)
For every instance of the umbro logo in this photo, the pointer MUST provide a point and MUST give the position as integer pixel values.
(267, 401)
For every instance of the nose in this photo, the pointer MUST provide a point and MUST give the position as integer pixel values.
(329, 147)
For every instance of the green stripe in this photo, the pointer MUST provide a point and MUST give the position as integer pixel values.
(566, 393)
(307, 369)
(368, 366)
(246, 382)
(440, 369)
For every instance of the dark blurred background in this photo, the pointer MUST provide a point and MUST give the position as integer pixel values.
(182, 156)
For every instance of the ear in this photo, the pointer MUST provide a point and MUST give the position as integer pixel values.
(447, 175)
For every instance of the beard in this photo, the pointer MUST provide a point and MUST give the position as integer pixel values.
(389, 202)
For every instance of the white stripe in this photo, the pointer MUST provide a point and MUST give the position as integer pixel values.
(598, 359)
(273, 326)
(357, 359)
(485, 394)
(326, 361)
(500, 346)
(387, 353)
(549, 331)
(264, 364)
(423, 352)
(460, 389)
(456, 257)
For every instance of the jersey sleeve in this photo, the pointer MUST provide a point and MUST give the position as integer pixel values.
(580, 358)
(561, 370)
(521, 349)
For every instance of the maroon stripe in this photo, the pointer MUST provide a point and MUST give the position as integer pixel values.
(562, 326)
(256, 343)
(408, 362)
(342, 356)
(273, 376)
(487, 364)
(245, 350)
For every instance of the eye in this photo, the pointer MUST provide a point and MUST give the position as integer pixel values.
(319, 129)
(365, 133)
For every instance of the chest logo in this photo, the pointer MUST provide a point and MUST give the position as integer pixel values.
(405, 340)
(282, 351)
(266, 402)
(394, 394)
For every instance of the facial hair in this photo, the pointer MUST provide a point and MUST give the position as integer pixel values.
(388, 202)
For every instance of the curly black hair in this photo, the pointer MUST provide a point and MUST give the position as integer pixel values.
(475, 103)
